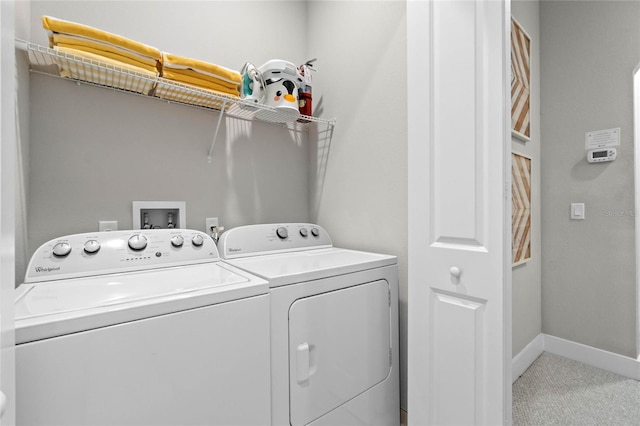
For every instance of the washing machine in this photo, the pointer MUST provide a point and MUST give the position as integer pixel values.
(140, 328)
(334, 324)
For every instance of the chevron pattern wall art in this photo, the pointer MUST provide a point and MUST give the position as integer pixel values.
(520, 81)
(521, 208)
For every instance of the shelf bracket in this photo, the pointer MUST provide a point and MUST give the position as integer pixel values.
(215, 134)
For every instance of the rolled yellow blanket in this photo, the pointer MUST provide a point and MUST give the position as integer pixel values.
(129, 55)
(128, 77)
(55, 25)
(200, 69)
(216, 86)
(103, 60)
(186, 75)
(107, 50)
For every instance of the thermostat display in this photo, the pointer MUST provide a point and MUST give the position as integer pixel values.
(601, 155)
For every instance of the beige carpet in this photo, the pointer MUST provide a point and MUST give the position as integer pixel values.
(560, 391)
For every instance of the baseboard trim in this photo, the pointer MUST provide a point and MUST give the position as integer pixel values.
(616, 363)
(606, 360)
(525, 357)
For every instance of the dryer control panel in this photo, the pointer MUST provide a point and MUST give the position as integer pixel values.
(254, 240)
(82, 255)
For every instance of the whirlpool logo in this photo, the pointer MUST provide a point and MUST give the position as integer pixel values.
(42, 269)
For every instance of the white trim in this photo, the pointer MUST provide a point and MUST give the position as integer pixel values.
(636, 149)
(507, 315)
(419, 138)
(525, 358)
(615, 363)
(8, 161)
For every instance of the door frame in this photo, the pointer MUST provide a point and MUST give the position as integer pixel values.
(7, 205)
(636, 162)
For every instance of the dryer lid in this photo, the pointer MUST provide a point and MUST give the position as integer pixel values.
(290, 268)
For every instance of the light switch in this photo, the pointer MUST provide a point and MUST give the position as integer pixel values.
(577, 211)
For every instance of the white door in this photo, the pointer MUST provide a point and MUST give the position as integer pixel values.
(7, 206)
(459, 336)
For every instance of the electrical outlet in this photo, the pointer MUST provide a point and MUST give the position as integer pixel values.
(108, 225)
(210, 223)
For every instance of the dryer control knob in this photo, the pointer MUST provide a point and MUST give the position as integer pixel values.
(315, 232)
(177, 241)
(282, 233)
(91, 247)
(197, 240)
(304, 232)
(138, 242)
(62, 249)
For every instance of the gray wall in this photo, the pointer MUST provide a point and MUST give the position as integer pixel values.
(588, 52)
(361, 47)
(94, 151)
(526, 279)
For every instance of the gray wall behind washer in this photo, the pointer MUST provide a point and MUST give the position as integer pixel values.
(94, 151)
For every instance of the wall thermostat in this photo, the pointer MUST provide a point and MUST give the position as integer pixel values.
(601, 155)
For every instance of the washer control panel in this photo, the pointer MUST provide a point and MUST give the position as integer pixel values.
(253, 240)
(81, 255)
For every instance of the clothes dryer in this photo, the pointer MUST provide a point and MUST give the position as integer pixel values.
(140, 328)
(334, 324)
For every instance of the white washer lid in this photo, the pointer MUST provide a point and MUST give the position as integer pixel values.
(55, 308)
(289, 268)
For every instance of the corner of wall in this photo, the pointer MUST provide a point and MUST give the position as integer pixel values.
(527, 277)
(22, 31)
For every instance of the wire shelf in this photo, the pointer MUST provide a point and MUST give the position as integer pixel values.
(86, 70)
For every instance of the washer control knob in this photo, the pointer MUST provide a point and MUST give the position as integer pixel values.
(197, 240)
(304, 232)
(177, 241)
(315, 232)
(91, 247)
(282, 233)
(138, 242)
(62, 249)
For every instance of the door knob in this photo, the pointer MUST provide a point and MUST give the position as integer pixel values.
(3, 403)
(455, 273)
